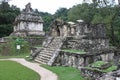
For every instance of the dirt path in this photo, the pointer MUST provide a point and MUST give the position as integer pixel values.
(44, 73)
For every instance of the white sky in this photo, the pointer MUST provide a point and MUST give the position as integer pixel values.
(46, 5)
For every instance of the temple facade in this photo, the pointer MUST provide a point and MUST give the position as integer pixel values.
(28, 23)
(78, 28)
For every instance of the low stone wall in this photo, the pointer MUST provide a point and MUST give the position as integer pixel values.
(91, 74)
(81, 60)
(86, 43)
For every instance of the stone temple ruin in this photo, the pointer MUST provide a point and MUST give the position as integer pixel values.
(90, 40)
(76, 36)
(28, 23)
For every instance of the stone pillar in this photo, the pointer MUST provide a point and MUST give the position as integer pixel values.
(79, 27)
(70, 61)
(74, 61)
(66, 59)
(73, 30)
(65, 30)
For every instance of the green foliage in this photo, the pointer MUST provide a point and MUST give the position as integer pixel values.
(61, 13)
(65, 73)
(9, 48)
(81, 11)
(112, 68)
(10, 70)
(96, 65)
(7, 17)
(5, 29)
(97, 19)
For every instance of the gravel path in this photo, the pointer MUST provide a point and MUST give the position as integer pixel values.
(44, 73)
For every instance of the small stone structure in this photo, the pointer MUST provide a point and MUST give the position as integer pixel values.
(28, 23)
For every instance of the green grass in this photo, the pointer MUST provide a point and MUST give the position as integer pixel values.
(10, 70)
(65, 73)
(112, 68)
(15, 56)
(98, 64)
(74, 51)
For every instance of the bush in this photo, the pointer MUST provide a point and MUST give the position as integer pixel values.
(10, 47)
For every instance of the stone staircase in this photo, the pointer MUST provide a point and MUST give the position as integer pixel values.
(48, 53)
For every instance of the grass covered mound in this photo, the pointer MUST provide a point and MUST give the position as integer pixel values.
(9, 48)
(102, 66)
(10, 70)
(65, 73)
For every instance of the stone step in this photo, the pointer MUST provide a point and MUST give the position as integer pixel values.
(49, 54)
(46, 59)
(41, 62)
(44, 56)
(46, 53)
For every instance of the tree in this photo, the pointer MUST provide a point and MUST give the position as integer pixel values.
(83, 11)
(61, 14)
(47, 18)
(7, 17)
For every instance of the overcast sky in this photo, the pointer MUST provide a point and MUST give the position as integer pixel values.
(46, 5)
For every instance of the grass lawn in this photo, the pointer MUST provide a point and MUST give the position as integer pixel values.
(65, 73)
(15, 56)
(10, 70)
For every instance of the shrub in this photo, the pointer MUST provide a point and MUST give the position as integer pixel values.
(10, 47)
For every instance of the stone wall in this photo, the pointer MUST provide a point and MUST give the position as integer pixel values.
(91, 74)
(78, 60)
(86, 44)
(96, 30)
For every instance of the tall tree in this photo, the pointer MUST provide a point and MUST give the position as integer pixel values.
(83, 11)
(7, 17)
(61, 14)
